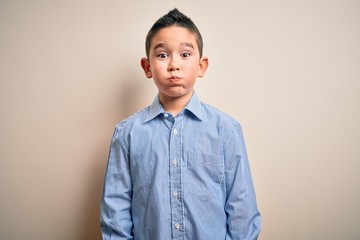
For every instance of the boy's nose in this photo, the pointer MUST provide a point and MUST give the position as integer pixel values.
(173, 65)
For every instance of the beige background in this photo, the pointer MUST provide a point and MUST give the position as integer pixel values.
(289, 71)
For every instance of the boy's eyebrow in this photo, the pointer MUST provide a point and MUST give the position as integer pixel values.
(188, 44)
(162, 45)
(159, 45)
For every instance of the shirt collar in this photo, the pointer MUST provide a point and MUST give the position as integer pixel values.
(155, 109)
(193, 106)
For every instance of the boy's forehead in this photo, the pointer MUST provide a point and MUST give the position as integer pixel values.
(177, 34)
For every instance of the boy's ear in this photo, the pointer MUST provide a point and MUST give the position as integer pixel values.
(145, 64)
(204, 63)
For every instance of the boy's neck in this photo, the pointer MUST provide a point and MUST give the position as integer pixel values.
(175, 105)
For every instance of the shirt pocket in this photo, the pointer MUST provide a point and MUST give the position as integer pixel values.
(205, 174)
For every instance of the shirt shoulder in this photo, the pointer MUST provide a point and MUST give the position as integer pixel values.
(124, 127)
(226, 125)
(130, 121)
(211, 113)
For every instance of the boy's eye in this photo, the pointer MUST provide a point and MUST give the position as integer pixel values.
(162, 55)
(185, 54)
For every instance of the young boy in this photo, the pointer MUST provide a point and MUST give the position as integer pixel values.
(178, 169)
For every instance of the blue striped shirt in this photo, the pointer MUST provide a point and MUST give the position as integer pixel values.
(186, 177)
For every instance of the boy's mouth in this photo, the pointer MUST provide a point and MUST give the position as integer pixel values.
(174, 78)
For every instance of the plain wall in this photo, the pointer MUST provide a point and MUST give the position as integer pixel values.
(289, 71)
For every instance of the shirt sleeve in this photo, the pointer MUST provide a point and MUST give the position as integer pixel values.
(243, 217)
(115, 212)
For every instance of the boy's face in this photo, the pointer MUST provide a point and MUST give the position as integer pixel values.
(174, 63)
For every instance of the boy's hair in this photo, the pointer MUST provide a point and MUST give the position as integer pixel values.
(177, 18)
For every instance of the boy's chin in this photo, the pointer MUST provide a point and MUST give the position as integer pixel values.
(176, 94)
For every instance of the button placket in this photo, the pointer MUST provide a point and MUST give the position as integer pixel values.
(176, 201)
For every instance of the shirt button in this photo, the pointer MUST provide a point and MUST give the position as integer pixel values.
(177, 226)
(175, 194)
(175, 131)
(166, 115)
(174, 162)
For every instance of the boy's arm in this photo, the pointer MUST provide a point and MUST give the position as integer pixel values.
(243, 217)
(115, 213)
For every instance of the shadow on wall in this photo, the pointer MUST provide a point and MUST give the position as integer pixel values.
(129, 99)
(90, 227)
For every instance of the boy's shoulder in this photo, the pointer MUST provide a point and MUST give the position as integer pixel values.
(212, 113)
(132, 119)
